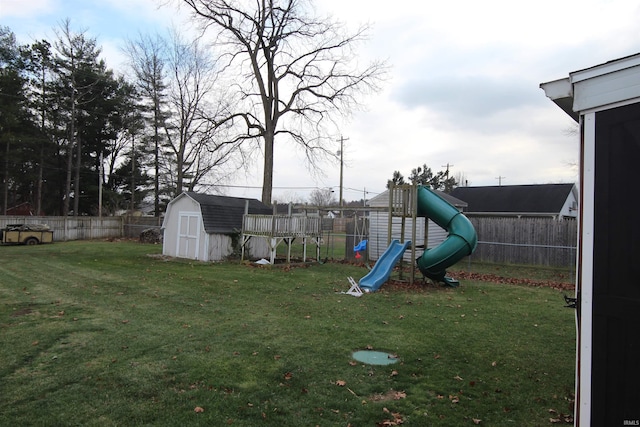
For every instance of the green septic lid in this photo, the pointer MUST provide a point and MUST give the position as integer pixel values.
(371, 357)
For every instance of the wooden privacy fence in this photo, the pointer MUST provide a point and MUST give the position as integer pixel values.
(528, 241)
(73, 228)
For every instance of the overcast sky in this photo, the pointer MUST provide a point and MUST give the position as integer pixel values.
(463, 87)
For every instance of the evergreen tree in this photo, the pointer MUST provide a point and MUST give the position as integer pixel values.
(17, 129)
(423, 175)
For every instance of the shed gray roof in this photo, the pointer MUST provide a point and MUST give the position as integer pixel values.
(543, 198)
(222, 214)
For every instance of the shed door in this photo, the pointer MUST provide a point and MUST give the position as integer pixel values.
(188, 235)
(615, 371)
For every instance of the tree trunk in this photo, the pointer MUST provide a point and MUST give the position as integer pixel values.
(133, 173)
(156, 180)
(180, 177)
(72, 140)
(267, 180)
(40, 177)
(76, 180)
(67, 196)
(6, 179)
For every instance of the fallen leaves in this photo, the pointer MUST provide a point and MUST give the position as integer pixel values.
(482, 277)
(198, 409)
(396, 421)
(557, 418)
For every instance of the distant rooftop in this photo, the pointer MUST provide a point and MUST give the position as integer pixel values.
(534, 198)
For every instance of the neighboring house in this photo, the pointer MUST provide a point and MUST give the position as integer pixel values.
(544, 200)
(23, 209)
(208, 227)
(379, 226)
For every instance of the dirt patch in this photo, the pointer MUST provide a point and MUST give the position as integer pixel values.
(388, 396)
(22, 312)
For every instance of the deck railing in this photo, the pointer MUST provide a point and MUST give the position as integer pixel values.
(281, 225)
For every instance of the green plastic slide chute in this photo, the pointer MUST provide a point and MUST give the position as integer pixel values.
(461, 241)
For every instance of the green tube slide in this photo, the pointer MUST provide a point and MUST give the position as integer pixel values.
(461, 241)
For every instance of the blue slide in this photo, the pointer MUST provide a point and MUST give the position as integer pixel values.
(382, 269)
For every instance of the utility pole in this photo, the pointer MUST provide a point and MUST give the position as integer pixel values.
(446, 173)
(341, 152)
(500, 178)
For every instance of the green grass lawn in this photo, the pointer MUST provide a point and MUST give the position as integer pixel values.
(102, 333)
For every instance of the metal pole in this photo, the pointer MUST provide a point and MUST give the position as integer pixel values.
(341, 152)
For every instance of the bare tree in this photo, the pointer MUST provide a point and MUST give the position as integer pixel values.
(193, 141)
(178, 78)
(322, 197)
(146, 59)
(292, 71)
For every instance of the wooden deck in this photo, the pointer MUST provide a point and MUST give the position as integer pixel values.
(282, 228)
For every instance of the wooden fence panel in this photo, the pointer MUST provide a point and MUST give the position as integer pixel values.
(72, 228)
(529, 241)
(134, 225)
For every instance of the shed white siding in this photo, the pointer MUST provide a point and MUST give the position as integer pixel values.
(184, 234)
(379, 225)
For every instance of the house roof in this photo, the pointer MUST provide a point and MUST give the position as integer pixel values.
(222, 214)
(531, 199)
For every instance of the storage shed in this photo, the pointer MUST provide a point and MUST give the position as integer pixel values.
(605, 101)
(208, 227)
